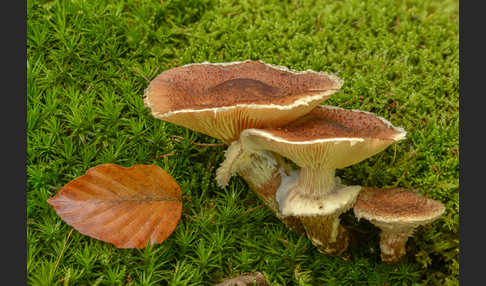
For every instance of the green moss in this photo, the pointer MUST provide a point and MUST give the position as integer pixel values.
(89, 61)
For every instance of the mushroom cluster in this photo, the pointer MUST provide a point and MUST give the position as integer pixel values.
(223, 99)
(320, 142)
(265, 113)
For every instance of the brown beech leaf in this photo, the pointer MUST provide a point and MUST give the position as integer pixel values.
(124, 206)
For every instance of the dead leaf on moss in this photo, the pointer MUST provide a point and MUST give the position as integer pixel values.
(128, 207)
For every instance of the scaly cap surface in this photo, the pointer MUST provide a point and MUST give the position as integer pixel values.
(327, 137)
(222, 99)
(396, 207)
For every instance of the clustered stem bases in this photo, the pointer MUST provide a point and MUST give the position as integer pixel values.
(264, 111)
(262, 171)
(320, 142)
(266, 193)
(222, 99)
(317, 198)
(325, 230)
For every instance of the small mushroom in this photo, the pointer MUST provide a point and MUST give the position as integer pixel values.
(397, 212)
(320, 142)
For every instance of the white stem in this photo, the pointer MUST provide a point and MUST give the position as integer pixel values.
(392, 244)
(314, 192)
(316, 183)
(257, 165)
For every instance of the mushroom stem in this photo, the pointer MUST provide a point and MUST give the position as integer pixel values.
(259, 165)
(315, 192)
(266, 193)
(317, 198)
(396, 212)
(326, 233)
(316, 182)
(392, 244)
(262, 172)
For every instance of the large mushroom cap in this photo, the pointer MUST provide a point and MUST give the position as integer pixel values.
(222, 99)
(397, 207)
(327, 137)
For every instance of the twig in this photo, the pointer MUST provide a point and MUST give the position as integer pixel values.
(140, 73)
(62, 251)
(255, 278)
(346, 102)
(284, 241)
(211, 162)
(163, 156)
(155, 71)
(453, 151)
(166, 155)
(178, 139)
(209, 144)
(252, 210)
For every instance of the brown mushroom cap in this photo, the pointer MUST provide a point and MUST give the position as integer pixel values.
(396, 206)
(327, 137)
(222, 99)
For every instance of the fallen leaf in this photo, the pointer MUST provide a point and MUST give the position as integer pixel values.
(124, 206)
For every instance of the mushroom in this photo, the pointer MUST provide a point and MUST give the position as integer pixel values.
(222, 99)
(397, 212)
(320, 142)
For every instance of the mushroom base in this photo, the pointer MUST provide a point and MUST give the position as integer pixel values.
(392, 245)
(326, 233)
(257, 165)
(318, 214)
(314, 193)
(266, 192)
(291, 202)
